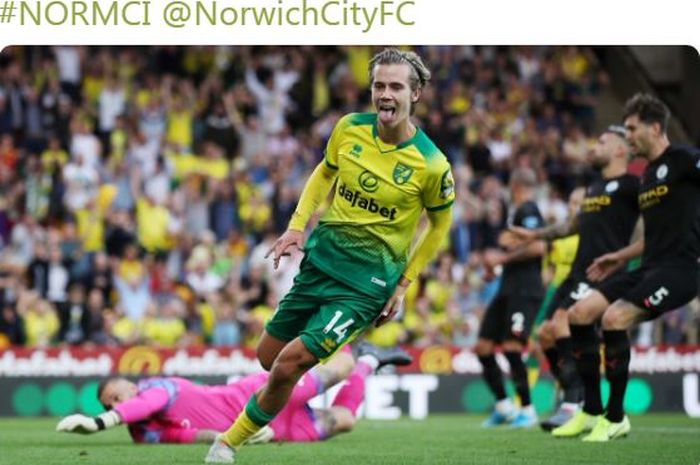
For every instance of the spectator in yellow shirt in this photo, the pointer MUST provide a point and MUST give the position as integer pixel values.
(131, 268)
(54, 157)
(40, 319)
(152, 226)
(165, 328)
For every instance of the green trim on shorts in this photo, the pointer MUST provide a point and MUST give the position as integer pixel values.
(323, 354)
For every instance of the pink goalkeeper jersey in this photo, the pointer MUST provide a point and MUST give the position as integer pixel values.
(174, 409)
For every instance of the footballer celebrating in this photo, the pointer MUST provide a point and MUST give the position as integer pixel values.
(358, 261)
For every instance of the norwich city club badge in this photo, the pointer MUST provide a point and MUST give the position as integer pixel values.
(447, 185)
(402, 173)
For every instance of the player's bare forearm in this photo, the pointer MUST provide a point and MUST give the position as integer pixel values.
(429, 243)
(315, 191)
(605, 265)
(557, 230)
(633, 250)
(638, 231)
(393, 305)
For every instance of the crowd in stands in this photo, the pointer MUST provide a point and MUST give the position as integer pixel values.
(140, 187)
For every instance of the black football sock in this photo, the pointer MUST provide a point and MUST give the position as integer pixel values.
(552, 356)
(569, 378)
(617, 359)
(586, 353)
(518, 373)
(493, 376)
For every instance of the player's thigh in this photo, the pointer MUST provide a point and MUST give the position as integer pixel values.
(339, 320)
(268, 349)
(560, 323)
(299, 304)
(520, 316)
(546, 334)
(622, 315)
(494, 322)
(663, 289)
(590, 300)
(589, 310)
(560, 299)
(619, 284)
(578, 289)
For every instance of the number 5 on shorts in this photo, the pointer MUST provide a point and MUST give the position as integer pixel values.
(339, 330)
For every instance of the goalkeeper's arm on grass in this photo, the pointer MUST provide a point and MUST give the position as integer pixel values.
(83, 424)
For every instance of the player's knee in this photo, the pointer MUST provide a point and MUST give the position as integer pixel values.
(265, 358)
(483, 348)
(268, 349)
(613, 319)
(346, 425)
(344, 421)
(545, 333)
(580, 315)
(513, 345)
(283, 371)
(292, 364)
(560, 321)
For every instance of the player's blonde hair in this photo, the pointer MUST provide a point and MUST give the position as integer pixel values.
(420, 74)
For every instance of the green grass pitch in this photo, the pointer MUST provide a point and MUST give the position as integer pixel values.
(442, 439)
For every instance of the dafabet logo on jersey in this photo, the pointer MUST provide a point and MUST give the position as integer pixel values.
(356, 199)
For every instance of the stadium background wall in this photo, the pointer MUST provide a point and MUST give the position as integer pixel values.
(58, 382)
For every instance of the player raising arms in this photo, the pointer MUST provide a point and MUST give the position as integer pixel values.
(357, 264)
(669, 201)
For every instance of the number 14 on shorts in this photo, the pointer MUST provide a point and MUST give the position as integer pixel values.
(341, 329)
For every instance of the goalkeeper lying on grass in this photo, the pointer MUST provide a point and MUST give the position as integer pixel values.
(175, 410)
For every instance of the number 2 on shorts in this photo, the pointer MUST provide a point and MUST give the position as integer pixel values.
(339, 330)
(518, 320)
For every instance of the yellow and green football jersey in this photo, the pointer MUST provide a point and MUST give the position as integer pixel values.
(364, 238)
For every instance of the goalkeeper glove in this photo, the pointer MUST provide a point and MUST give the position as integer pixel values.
(82, 424)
